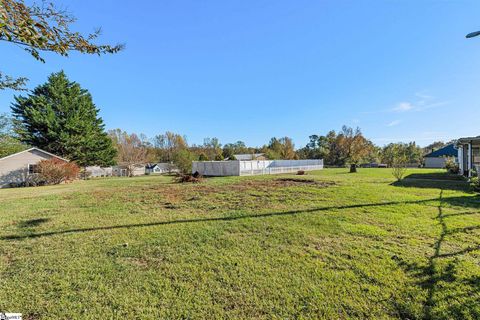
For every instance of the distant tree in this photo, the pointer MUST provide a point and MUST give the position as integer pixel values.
(60, 117)
(131, 151)
(280, 148)
(238, 147)
(202, 157)
(433, 146)
(43, 27)
(9, 144)
(212, 148)
(353, 146)
(317, 148)
(408, 151)
(334, 156)
(183, 161)
(168, 144)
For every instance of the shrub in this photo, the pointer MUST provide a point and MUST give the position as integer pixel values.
(55, 171)
(183, 161)
(474, 172)
(452, 167)
(475, 184)
(398, 171)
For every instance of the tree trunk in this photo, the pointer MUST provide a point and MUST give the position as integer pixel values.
(353, 168)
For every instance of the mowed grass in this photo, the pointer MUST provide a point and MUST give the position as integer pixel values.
(340, 246)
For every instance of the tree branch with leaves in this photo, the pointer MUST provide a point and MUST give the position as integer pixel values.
(40, 28)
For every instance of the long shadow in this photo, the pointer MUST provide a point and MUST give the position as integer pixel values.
(434, 180)
(430, 278)
(461, 201)
(33, 222)
(228, 218)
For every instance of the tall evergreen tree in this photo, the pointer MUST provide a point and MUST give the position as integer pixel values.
(60, 117)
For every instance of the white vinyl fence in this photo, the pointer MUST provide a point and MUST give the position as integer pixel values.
(254, 167)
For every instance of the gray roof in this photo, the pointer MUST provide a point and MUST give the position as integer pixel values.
(247, 156)
(467, 140)
(39, 150)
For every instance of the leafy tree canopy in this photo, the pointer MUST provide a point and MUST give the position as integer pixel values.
(60, 117)
(43, 27)
(9, 144)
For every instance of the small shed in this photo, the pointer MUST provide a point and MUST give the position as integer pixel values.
(438, 158)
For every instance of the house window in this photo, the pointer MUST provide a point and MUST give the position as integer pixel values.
(32, 169)
(476, 155)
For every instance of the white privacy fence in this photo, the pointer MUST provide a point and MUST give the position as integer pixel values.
(254, 167)
(278, 166)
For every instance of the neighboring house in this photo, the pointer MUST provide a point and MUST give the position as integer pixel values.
(122, 170)
(97, 171)
(250, 156)
(468, 154)
(160, 168)
(438, 158)
(20, 167)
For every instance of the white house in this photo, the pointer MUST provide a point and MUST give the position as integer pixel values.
(468, 154)
(122, 170)
(20, 167)
(160, 168)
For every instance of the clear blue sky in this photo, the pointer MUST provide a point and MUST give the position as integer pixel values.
(251, 70)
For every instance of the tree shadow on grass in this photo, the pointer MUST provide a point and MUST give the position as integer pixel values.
(33, 222)
(435, 276)
(435, 180)
(462, 201)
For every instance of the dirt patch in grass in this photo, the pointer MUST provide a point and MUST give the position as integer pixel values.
(280, 183)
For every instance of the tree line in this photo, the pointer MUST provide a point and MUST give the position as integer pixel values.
(60, 117)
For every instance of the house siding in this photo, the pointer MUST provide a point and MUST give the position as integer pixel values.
(14, 169)
(433, 162)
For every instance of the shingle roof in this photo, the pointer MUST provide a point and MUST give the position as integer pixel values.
(38, 149)
(447, 151)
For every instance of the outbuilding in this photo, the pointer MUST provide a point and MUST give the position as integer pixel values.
(438, 158)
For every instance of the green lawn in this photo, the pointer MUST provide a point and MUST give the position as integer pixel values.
(340, 246)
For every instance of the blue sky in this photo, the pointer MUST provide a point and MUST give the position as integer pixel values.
(251, 70)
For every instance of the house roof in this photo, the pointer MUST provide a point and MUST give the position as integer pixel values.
(468, 139)
(37, 149)
(248, 156)
(151, 165)
(447, 151)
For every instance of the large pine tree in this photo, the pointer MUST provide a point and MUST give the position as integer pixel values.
(60, 117)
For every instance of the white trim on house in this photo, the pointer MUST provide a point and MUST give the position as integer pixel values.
(34, 148)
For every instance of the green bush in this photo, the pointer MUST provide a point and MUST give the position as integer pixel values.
(452, 167)
(183, 161)
(475, 184)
